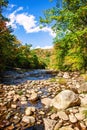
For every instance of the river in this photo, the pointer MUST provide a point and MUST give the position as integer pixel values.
(18, 75)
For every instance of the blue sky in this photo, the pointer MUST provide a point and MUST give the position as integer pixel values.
(24, 19)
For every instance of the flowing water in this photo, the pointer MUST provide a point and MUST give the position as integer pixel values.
(19, 76)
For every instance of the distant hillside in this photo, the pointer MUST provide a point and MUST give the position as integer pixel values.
(44, 54)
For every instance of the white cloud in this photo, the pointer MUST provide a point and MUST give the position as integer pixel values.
(45, 47)
(28, 22)
(12, 18)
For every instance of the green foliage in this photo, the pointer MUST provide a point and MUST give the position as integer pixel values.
(70, 26)
(44, 56)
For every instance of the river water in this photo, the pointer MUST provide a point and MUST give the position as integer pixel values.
(18, 76)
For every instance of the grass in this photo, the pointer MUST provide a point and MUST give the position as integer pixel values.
(53, 110)
(20, 92)
(53, 80)
(85, 113)
(84, 76)
(62, 81)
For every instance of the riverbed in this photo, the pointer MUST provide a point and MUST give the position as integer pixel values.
(26, 96)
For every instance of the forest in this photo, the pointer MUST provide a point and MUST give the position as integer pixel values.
(69, 51)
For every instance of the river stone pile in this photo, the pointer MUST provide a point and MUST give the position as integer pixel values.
(59, 103)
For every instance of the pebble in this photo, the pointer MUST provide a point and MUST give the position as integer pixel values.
(28, 119)
(54, 116)
(23, 102)
(13, 106)
(72, 118)
(29, 110)
(83, 126)
(66, 128)
(34, 96)
(41, 112)
(63, 115)
(80, 116)
(58, 125)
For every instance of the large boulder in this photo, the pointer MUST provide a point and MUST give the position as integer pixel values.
(65, 99)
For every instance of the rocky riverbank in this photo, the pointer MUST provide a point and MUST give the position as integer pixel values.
(58, 103)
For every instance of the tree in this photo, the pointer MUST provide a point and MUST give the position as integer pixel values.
(8, 42)
(70, 25)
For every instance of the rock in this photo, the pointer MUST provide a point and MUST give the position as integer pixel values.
(23, 102)
(11, 92)
(72, 118)
(41, 113)
(60, 74)
(83, 98)
(46, 101)
(23, 98)
(29, 110)
(58, 125)
(16, 117)
(85, 121)
(73, 110)
(49, 124)
(54, 116)
(65, 99)
(27, 95)
(66, 128)
(83, 126)
(63, 115)
(83, 88)
(34, 96)
(66, 75)
(28, 119)
(13, 106)
(77, 85)
(40, 92)
(16, 97)
(80, 116)
(11, 127)
(76, 128)
(82, 109)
